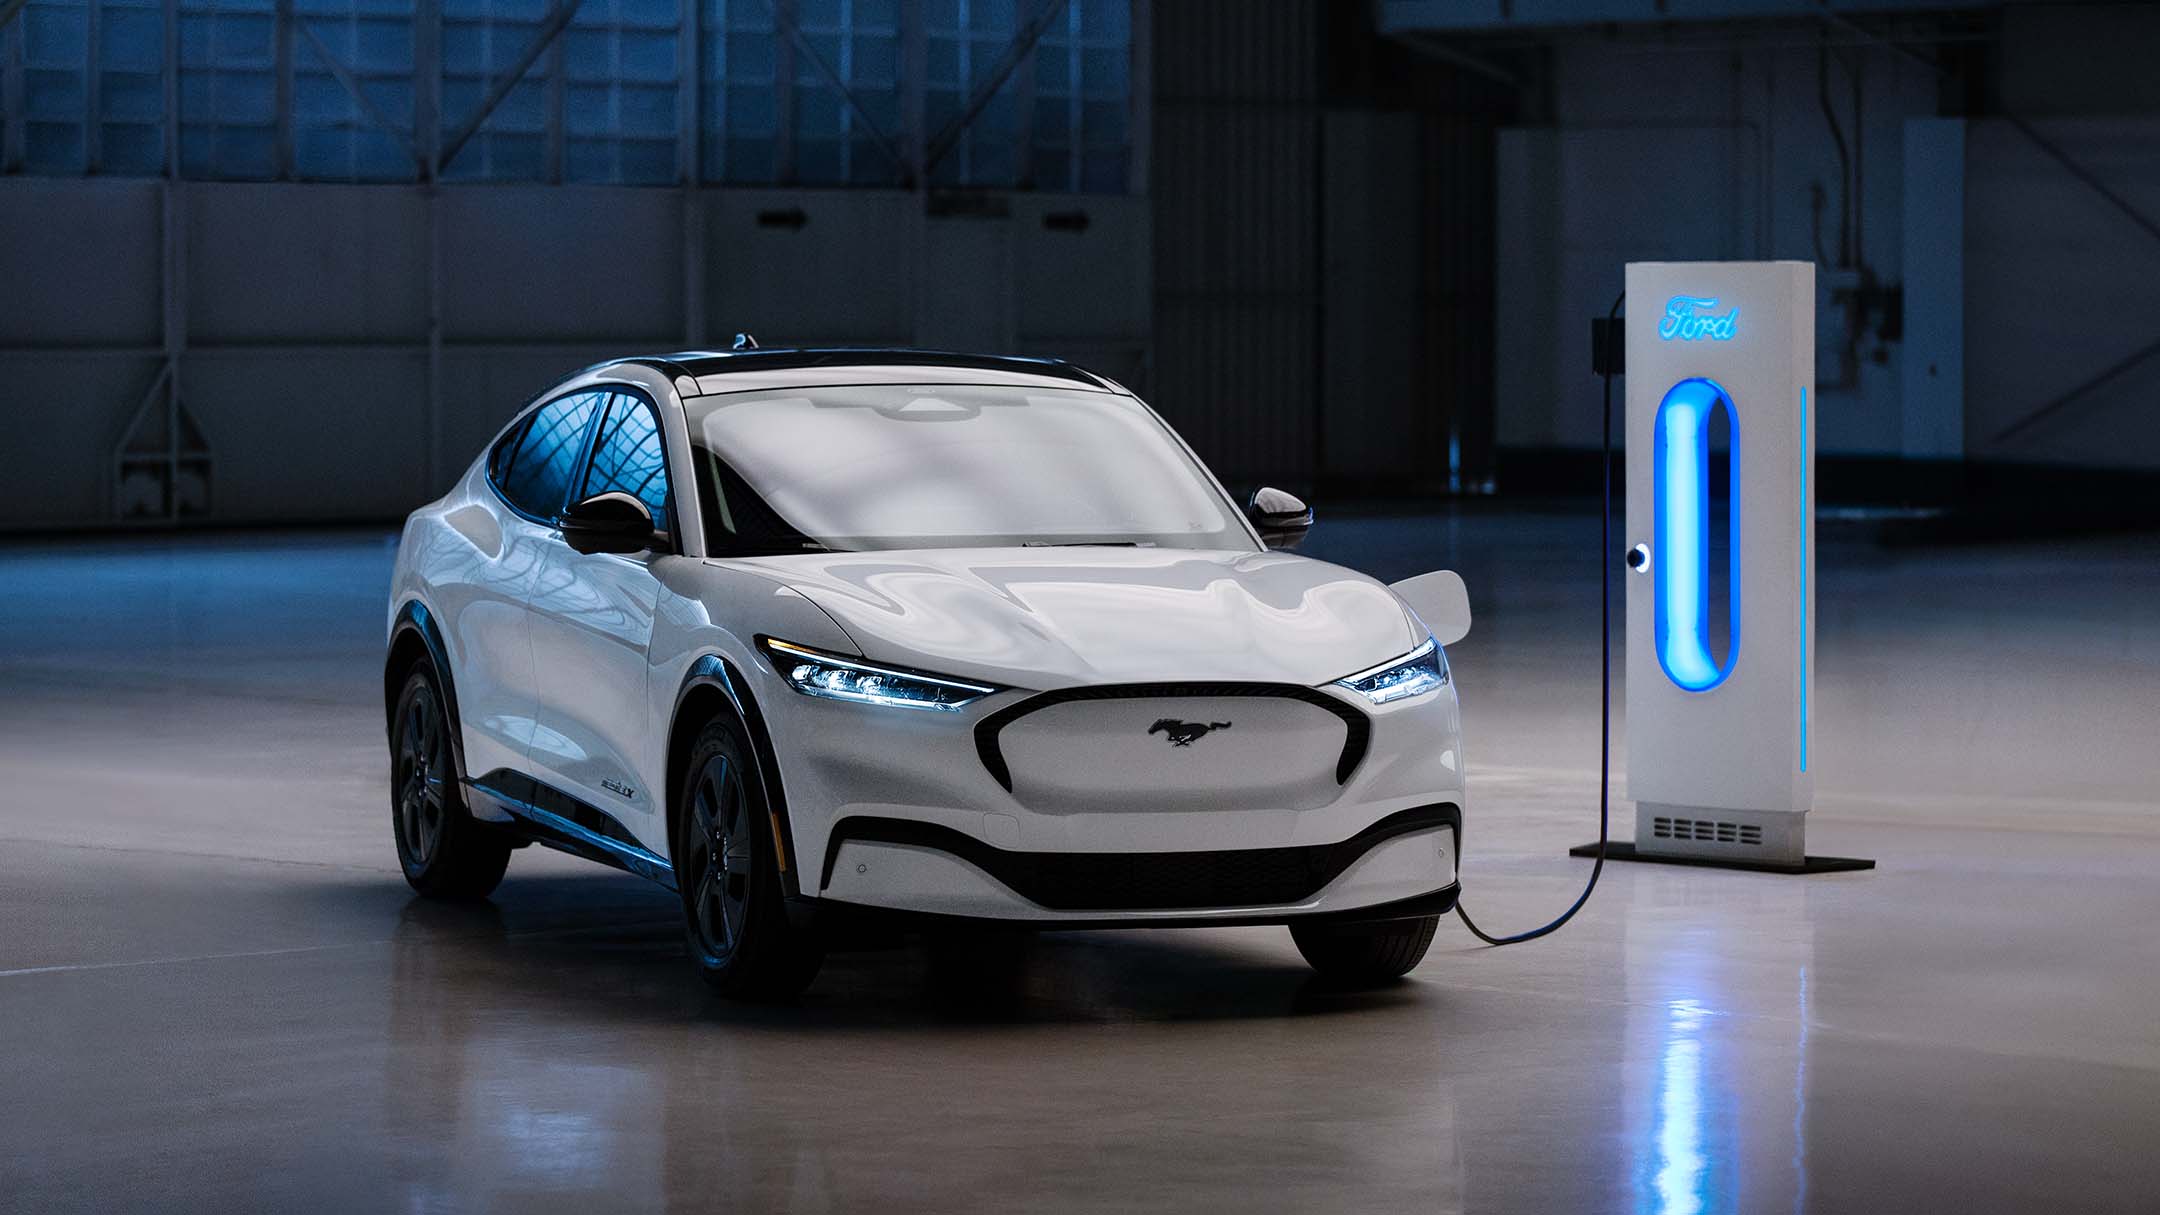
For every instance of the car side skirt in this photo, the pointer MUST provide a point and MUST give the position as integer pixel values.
(550, 817)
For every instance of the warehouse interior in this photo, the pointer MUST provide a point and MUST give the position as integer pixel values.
(278, 271)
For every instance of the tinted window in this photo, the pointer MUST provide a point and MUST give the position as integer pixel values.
(505, 447)
(628, 458)
(538, 477)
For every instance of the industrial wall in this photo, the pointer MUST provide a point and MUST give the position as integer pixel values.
(2062, 314)
(342, 351)
(2022, 247)
(1730, 156)
(1236, 179)
(1323, 249)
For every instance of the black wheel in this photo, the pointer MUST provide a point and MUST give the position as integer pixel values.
(445, 854)
(728, 871)
(1365, 953)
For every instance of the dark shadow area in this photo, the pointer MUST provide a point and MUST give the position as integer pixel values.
(629, 966)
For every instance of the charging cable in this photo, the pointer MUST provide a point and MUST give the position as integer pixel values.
(1604, 796)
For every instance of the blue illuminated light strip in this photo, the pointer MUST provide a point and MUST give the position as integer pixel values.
(1806, 535)
(1681, 447)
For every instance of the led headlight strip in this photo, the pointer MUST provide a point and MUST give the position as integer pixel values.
(1419, 671)
(833, 678)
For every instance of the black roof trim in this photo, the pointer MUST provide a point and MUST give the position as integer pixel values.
(704, 363)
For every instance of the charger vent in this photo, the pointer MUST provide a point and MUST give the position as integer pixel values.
(1705, 830)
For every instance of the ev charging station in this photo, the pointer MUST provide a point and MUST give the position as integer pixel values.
(1720, 366)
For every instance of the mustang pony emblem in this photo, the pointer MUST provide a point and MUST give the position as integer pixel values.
(1182, 733)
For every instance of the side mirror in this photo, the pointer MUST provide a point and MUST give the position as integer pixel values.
(613, 522)
(1281, 518)
(1441, 601)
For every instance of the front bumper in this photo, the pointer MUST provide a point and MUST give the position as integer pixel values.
(898, 863)
(901, 811)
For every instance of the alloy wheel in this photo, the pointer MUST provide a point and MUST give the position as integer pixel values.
(423, 775)
(719, 855)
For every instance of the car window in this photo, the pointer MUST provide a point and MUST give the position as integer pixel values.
(505, 447)
(628, 458)
(538, 476)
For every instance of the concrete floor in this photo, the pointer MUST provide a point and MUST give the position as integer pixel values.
(215, 991)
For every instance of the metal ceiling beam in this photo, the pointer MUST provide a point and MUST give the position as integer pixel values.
(351, 84)
(551, 27)
(1023, 44)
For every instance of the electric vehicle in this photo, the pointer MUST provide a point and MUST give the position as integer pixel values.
(957, 639)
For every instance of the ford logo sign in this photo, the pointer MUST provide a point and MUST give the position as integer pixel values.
(1693, 318)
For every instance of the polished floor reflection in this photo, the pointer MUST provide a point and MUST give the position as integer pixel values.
(215, 992)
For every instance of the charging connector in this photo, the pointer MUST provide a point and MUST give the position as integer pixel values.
(1606, 360)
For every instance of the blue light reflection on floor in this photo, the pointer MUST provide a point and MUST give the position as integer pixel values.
(1681, 1184)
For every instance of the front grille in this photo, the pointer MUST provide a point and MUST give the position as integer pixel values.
(1149, 881)
(1357, 728)
(1705, 830)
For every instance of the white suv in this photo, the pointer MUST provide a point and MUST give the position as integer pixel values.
(942, 636)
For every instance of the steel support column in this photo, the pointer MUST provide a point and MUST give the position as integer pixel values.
(787, 43)
(557, 117)
(172, 263)
(689, 164)
(914, 63)
(13, 132)
(284, 60)
(93, 120)
(1140, 100)
(427, 135)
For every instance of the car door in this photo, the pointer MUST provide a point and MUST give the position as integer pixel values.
(487, 612)
(592, 623)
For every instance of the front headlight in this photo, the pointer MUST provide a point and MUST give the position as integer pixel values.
(1421, 670)
(814, 674)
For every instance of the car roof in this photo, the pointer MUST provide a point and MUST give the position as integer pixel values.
(810, 366)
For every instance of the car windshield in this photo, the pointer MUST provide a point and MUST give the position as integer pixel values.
(887, 466)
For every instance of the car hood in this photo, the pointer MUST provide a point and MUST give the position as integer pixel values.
(1055, 617)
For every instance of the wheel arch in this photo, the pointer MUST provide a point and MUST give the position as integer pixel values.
(712, 687)
(414, 635)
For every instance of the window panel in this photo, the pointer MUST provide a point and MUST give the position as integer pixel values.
(52, 40)
(92, 96)
(481, 39)
(628, 458)
(334, 139)
(547, 455)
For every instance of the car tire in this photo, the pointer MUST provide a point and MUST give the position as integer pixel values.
(444, 852)
(728, 873)
(1376, 952)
